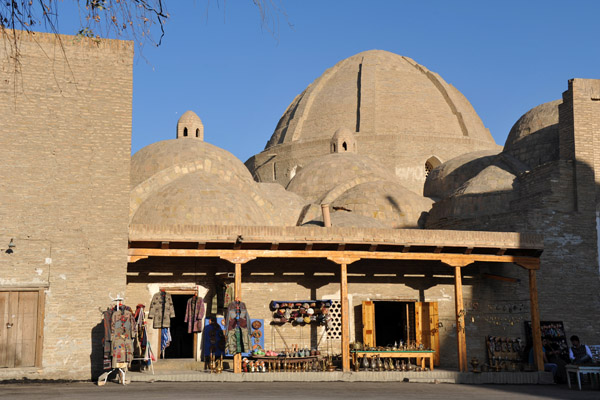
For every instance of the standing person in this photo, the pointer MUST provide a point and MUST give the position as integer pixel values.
(579, 353)
(214, 340)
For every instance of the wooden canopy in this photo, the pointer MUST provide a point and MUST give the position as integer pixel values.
(456, 249)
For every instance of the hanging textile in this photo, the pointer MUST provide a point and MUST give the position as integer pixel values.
(161, 310)
(165, 338)
(140, 344)
(123, 330)
(107, 339)
(229, 295)
(236, 323)
(194, 314)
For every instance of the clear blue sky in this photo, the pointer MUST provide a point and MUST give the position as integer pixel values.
(504, 56)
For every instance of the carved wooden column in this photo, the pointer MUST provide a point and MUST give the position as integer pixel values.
(237, 287)
(460, 312)
(344, 262)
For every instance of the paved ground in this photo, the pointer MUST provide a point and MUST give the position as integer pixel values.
(289, 390)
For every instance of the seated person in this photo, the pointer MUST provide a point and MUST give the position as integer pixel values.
(548, 367)
(579, 353)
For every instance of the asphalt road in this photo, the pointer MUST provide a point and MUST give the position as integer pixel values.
(288, 390)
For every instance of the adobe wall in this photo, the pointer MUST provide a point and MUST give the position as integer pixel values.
(65, 122)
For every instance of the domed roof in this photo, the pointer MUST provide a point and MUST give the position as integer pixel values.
(197, 199)
(377, 92)
(450, 175)
(387, 201)
(188, 181)
(532, 121)
(287, 205)
(189, 117)
(491, 179)
(335, 170)
(533, 139)
(183, 155)
(344, 219)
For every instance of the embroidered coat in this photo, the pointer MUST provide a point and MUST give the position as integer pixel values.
(123, 330)
(194, 313)
(237, 317)
(161, 310)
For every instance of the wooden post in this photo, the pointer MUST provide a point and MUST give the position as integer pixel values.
(535, 322)
(345, 324)
(237, 285)
(460, 321)
(344, 262)
(237, 295)
(237, 290)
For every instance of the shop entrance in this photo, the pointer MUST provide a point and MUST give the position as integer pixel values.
(182, 342)
(394, 322)
(389, 322)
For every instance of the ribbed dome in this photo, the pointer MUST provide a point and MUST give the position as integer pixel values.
(377, 92)
(390, 108)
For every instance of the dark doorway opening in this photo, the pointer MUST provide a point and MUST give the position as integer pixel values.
(182, 342)
(394, 322)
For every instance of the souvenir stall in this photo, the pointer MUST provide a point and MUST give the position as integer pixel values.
(125, 340)
(268, 255)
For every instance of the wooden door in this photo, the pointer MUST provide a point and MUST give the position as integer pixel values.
(19, 328)
(368, 318)
(426, 327)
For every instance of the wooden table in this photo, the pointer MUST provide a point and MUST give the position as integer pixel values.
(420, 355)
(592, 370)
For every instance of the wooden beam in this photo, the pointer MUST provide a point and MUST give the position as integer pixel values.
(345, 316)
(236, 259)
(201, 245)
(132, 259)
(536, 332)
(530, 263)
(460, 321)
(339, 259)
(308, 246)
(450, 259)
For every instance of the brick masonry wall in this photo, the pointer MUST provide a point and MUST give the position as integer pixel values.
(65, 121)
(558, 200)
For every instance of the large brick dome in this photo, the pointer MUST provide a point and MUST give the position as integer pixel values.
(400, 113)
(377, 92)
